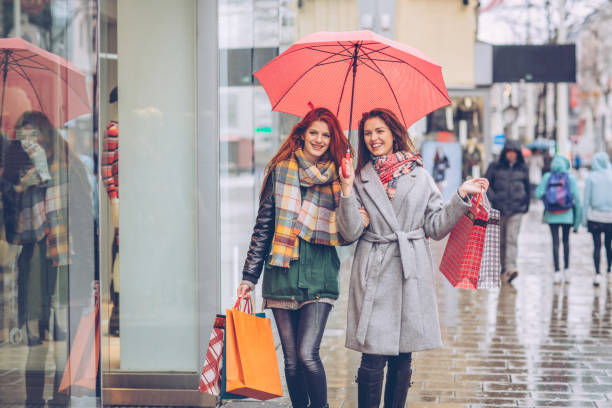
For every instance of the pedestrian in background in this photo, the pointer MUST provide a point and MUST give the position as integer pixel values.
(559, 191)
(536, 163)
(598, 209)
(392, 308)
(509, 193)
(440, 165)
(293, 241)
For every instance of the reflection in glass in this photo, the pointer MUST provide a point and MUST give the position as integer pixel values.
(48, 277)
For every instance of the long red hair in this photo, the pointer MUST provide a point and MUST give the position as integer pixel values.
(401, 138)
(337, 145)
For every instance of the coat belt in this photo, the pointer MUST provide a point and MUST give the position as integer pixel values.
(409, 261)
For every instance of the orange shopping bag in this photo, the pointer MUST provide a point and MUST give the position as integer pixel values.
(82, 366)
(252, 367)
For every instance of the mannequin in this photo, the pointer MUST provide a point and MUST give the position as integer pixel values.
(110, 176)
(32, 33)
(469, 111)
(472, 157)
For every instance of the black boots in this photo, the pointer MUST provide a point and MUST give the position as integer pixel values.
(396, 388)
(369, 387)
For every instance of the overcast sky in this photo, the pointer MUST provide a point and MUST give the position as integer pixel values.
(510, 21)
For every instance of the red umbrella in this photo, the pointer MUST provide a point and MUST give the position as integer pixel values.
(351, 73)
(34, 79)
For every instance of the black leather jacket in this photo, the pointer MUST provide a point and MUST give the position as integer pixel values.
(263, 232)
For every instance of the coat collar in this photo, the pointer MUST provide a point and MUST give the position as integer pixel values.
(404, 184)
(376, 191)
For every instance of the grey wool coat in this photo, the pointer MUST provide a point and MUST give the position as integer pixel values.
(392, 303)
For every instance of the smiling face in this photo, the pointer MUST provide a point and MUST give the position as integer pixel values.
(378, 137)
(316, 140)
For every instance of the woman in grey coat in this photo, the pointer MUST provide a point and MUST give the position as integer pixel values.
(392, 307)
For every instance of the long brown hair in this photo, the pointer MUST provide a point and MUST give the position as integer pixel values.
(337, 145)
(401, 138)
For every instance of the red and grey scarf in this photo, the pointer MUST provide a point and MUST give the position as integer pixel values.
(391, 167)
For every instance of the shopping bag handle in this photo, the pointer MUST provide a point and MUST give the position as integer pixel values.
(248, 305)
(478, 199)
(485, 200)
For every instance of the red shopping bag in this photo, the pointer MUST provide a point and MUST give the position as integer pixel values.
(82, 366)
(252, 366)
(463, 253)
(210, 378)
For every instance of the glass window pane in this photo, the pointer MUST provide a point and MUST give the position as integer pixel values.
(48, 203)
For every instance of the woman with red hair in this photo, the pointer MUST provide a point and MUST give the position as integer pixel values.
(293, 241)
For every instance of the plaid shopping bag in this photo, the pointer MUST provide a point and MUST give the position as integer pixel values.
(463, 253)
(210, 379)
(490, 266)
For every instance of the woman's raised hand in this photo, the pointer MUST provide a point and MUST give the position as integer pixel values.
(365, 217)
(473, 186)
(244, 291)
(346, 183)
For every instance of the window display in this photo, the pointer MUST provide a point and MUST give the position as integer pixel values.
(461, 122)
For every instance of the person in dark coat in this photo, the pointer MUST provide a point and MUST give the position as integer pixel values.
(509, 192)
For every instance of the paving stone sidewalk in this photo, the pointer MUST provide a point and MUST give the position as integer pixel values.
(530, 344)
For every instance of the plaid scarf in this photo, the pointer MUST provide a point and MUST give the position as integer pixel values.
(312, 217)
(391, 167)
(42, 211)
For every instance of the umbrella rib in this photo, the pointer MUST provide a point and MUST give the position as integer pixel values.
(334, 62)
(298, 80)
(17, 62)
(326, 52)
(375, 69)
(343, 87)
(27, 78)
(86, 103)
(307, 47)
(417, 70)
(391, 89)
(29, 58)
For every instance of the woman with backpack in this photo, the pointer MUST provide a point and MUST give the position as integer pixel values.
(598, 209)
(559, 192)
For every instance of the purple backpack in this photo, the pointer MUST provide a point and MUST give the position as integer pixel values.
(558, 197)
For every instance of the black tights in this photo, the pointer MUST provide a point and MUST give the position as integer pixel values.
(597, 248)
(300, 333)
(554, 231)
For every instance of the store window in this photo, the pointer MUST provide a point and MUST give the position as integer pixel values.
(48, 204)
(148, 197)
(454, 144)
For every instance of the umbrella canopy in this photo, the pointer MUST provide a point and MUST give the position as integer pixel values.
(540, 144)
(351, 73)
(34, 79)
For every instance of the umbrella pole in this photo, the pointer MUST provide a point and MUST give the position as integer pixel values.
(4, 74)
(347, 157)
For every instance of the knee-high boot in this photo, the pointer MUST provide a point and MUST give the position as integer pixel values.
(369, 387)
(396, 388)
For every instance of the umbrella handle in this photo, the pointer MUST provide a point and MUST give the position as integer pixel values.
(345, 164)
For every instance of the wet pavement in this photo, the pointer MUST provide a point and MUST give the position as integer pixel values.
(529, 344)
